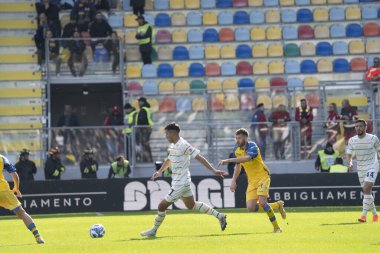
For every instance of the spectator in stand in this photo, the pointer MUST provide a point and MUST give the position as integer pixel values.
(260, 128)
(348, 114)
(88, 165)
(129, 122)
(54, 51)
(52, 13)
(68, 119)
(101, 5)
(115, 118)
(77, 48)
(101, 29)
(39, 37)
(119, 168)
(83, 9)
(338, 167)
(70, 28)
(53, 165)
(326, 158)
(332, 124)
(143, 132)
(138, 7)
(304, 114)
(280, 131)
(115, 51)
(373, 73)
(25, 167)
(145, 37)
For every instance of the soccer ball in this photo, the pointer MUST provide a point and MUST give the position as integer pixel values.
(97, 231)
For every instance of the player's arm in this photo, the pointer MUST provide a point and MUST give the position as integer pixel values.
(349, 156)
(235, 160)
(206, 163)
(164, 167)
(234, 177)
(16, 184)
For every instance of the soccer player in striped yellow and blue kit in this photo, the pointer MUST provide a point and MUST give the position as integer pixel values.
(8, 198)
(247, 154)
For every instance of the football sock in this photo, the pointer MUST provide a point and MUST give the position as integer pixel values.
(274, 206)
(367, 203)
(32, 227)
(159, 219)
(268, 209)
(203, 208)
(372, 206)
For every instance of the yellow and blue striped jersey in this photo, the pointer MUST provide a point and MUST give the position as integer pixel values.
(5, 165)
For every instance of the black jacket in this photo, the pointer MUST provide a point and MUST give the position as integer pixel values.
(71, 121)
(51, 165)
(100, 30)
(26, 170)
(88, 168)
(137, 3)
(76, 46)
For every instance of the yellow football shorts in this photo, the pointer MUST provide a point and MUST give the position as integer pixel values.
(258, 188)
(9, 201)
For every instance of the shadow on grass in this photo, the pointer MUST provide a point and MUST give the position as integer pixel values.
(341, 224)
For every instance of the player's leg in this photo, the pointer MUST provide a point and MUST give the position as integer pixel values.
(369, 199)
(161, 213)
(263, 202)
(29, 223)
(367, 180)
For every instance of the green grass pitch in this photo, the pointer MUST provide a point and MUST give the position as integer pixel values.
(323, 229)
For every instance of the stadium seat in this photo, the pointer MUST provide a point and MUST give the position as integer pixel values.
(295, 83)
(272, 16)
(259, 50)
(260, 67)
(262, 83)
(223, 3)
(182, 87)
(149, 71)
(208, 4)
(197, 87)
(358, 64)
(212, 52)
(371, 29)
(192, 4)
(231, 103)
(212, 69)
(167, 104)
(180, 53)
(196, 52)
(351, 1)
(274, 33)
(288, 16)
(373, 46)
(228, 69)
(340, 48)
(183, 104)
(292, 50)
(162, 20)
(177, 4)
(150, 87)
(304, 16)
(287, 2)
(320, 15)
(312, 100)
(130, 38)
(179, 36)
(256, 17)
(230, 85)
(247, 101)
(318, 2)
(334, 2)
(305, 32)
(194, 18)
(227, 52)
(289, 33)
(353, 13)
(246, 84)
(244, 68)
(149, 18)
(240, 3)
(130, 20)
(356, 47)
(165, 70)
(196, 70)
(100, 55)
(324, 48)
(276, 67)
(210, 35)
(134, 88)
(181, 70)
(243, 51)
(216, 103)
(307, 49)
(277, 82)
(275, 50)
(271, 3)
(341, 65)
(161, 4)
(166, 87)
(163, 36)
(242, 34)
(308, 66)
(115, 21)
(241, 18)
(255, 3)
(302, 2)
(225, 18)
(199, 104)
(310, 81)
(337, 31)
(354, 30)
(324, 66)
(194, 35)
(292, 67)
(226, 34)
(165, 53)
(133, 71)
(279, 99)
(322, 32)
(178, 19)
(336, 14)
(369, 12)
(209, 18)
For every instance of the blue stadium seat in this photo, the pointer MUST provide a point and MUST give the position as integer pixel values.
(289, 33)
(370, 60)
(354, 30)
(242, 34)
(369, 12)
(302, 2)
(336, 14)
(257, 17)
(295, 83)
(241, 18)
(292, 67)
(341, 66)
(337, 31)
(228, 69)
(161, 4)
(194, 18)
(304, 16)
(351, 1)
(288, 16)
(162, 20)
(210, 35)
(367, 1)
(223, 3)
(323, 48)
(208, 4)
(340, 47)
(225, 18)
(243, 51)
(101, 55)
(180, 53)
(271, 3)
(195, 35)
(196, 52)
(183, 104)
(126, 5)
(149, 18)
(165, 70)
(196, 70)
(246, 84)
(308, 66)
(150, 87)
(378, 13)
(148, 71)
(115, 20)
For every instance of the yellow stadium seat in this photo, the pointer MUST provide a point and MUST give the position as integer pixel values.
(192, 4)
(230, 85)
(276, 67)
(17, 7)
(279, 100)
(275, 50)
(231, 102)
(311, 81)
(357, 47)
(132, 54)
(130, 20)
(179, 36)
(259, 50)
(212, 52)
(254, 3)
(178, 19)
(182, 87)
(18, 24)
(21, 126)
(318, 2)
(21, 93)
(20, 110)
(325, 66)
(133, 71)
(20, 75)
(274, 33)
(18, 58)
(154, 105)
(166, 87)
(257, 33)
(16, 41)
(287, 2)
(272, 16)
(334, 1)
(322, 32)
(266, 100)
(353, 13)
(260, 67)
(181, 70)
(130, 37)
(214, 86)
(228, 52)
(16, 146)
(321, 14)
(307, 49)
(199, 104)
(177, 4)
(373, 46)
(149, 5)
(165, 53)
(210, 18)
(262, 83)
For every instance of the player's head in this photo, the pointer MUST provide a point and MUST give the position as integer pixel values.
(360, 126)
(241, 136)
(172, 132)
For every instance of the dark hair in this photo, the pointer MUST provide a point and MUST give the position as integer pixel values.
(361, 121)
(173, 126)
(339, 160)
(303, 100)
(242, 131)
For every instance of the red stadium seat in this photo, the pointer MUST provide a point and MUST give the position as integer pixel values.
(313, 100)
(358, 64)
(163, 36)
(167, 105)
(212, 69)
(371, 29)
(244, 68)
(278, 82)
(134, 88)
(240, 3)
(247, 102)
(217, 102)
(226, 34)
(305, 32)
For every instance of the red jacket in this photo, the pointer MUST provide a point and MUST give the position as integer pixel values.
(279, 119)
(372, 73)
